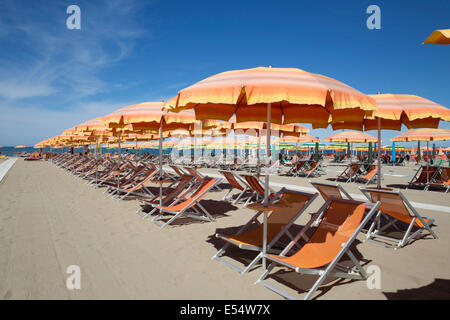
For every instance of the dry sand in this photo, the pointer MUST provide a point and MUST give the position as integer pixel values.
(50, 219)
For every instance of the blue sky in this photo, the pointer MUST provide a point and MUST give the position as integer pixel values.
(128, 52)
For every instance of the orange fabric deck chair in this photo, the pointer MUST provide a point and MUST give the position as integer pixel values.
(423, 176)
(138, 186)
(177, 170)
(256, 187)
(328, 190)
(236, 182)
(312, 171)
(350, 172)
(320, 254)
(279, 223)
(297, 168)
(170, 195)
(369, 176)
(395, 208)
(188, 204)
(442, 181)
(198, 175)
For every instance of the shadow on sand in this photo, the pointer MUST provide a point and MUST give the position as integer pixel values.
(439, 289)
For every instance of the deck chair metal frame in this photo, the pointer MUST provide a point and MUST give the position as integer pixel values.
(201, 214)
(254, 192)
(348, 178)
(372, 234)
(357, 272)
(272, 243)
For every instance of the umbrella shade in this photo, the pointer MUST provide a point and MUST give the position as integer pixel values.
(439, 37)
(351, 136)
(423, 135)
(300, 139)
(299, 96)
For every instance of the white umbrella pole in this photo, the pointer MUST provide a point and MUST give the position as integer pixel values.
(428, 161)
(118, 174)
(378, 154)
(266, 185)
(257, 154)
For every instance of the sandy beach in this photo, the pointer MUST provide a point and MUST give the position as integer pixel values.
(51, 220)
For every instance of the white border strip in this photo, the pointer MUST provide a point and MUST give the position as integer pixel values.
(5, 166)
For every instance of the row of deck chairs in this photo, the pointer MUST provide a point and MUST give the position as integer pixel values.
(358, 172)
(124, 178)
(318, 247)
(431, 177)
(306, 168)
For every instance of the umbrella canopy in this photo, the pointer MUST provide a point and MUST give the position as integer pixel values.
(300, 139)
(351, 136)
(439, 37)
(423, 135)
(299, 96)
(20, 147)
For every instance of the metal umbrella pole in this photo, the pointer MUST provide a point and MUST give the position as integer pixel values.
(378, 154)
(118, 169)
(266, 185)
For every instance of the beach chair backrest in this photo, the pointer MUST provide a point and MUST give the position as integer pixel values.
(444, 177)
(193, 172)
(354, 167)
(371, 171)
(231, 179)
(313, 166)
(338, 224)
(328, 190)
(254, 183)
(181, 185)
(177, 170)
(293, 202)
(391, 203)
(206, 184)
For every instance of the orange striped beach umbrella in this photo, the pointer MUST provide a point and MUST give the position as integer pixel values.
(439, 37)
(351, 136)
(423, 135)
(20, 147)
(274, 95)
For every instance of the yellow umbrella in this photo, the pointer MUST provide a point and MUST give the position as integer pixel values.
(439, 37)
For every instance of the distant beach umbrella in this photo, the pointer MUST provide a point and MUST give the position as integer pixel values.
(20, 147)
(439, 37)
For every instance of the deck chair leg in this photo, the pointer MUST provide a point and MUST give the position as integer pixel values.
(210, 217)
(226, 195)
(239, 196)
(405, 240)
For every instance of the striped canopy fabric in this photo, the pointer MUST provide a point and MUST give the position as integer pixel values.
(397, 109)
(424, 135)
(296, 96)
(351, 136)
(300, 139)
(439, 37)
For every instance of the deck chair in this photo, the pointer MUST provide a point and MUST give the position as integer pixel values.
(169, 196)
(442, 181)
(257, 188)
(422, 177)
(395, 208)
(328, 190)
(236, 182)
(313, 170)
(369, 176)
(350, 172)
(278, 224)
(297, 168)
(340, 223)
(178, 171)
(188, 205)
(198, 175)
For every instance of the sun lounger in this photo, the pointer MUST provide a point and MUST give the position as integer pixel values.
(189, 205)
(350, 172)
(423, 176)
(328, 190)
(395, 208)
(441, 181)
(236, 182)
(279, 223)
(369, 175)
(257, 188)
(312, 170)
(169, 196)
(340, 223)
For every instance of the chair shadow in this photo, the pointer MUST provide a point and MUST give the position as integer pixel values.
(217, 209)
(303, 283)
(439, 289)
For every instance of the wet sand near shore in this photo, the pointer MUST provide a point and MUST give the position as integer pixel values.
(50, 220)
